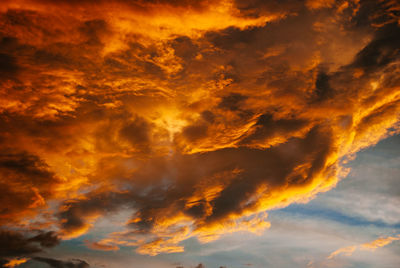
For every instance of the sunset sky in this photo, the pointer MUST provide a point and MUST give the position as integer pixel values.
(199, 134)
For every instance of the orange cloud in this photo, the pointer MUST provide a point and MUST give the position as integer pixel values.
(380, 242)
(316, 4)
(16, 262)
(102, 245)
(371, 246)
(197, 117)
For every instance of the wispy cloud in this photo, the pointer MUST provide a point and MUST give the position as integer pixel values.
(371, 246)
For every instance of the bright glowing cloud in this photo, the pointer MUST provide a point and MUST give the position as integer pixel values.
(198, 117)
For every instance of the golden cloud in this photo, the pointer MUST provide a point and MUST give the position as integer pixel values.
(16, 262)
(198, 117)
(370, 246)
(380, 242)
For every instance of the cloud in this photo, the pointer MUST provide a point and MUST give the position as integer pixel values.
(317, 4)
(200, 265)
(15, 262)
(16, 244)
(8, 66)
(380, 242)
(195, 116)
(103, 246)
(17, 247)
(26, 180)
(54, 263)
(347, 251)
(370, 246)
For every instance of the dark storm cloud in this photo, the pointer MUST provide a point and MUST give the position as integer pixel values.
(29, 166)
(381, 51)
(26, 180)
(75, 214)
(15, 244)
(267, 127)
(8, 65)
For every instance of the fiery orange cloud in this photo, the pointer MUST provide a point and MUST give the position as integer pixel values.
(198, 117)
(16, 262)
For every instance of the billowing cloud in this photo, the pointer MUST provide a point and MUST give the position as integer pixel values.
(26, 180)
(16, 247)
(197, 117)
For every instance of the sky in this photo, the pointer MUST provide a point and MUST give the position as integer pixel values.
(199, 134)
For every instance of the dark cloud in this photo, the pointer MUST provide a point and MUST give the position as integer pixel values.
(54, 263)
(8, 66)
(208, 116)
(184, 47)
(200, 265)
(377, 13)
(30, 167)
(25, 179)
(195, 132)
(258, 167)
(381, 51)
(16, 244)
(53, 59)
(93, 30)
(323, 90)
(76, 213)
(137, 132)
(232, 102)
(267, 127)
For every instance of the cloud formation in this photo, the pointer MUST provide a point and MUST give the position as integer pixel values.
(195, 116)
(54, 263)
(380, 242)
(370, 246)
(16, 247)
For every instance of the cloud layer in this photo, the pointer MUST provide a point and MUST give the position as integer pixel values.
(197, 117)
